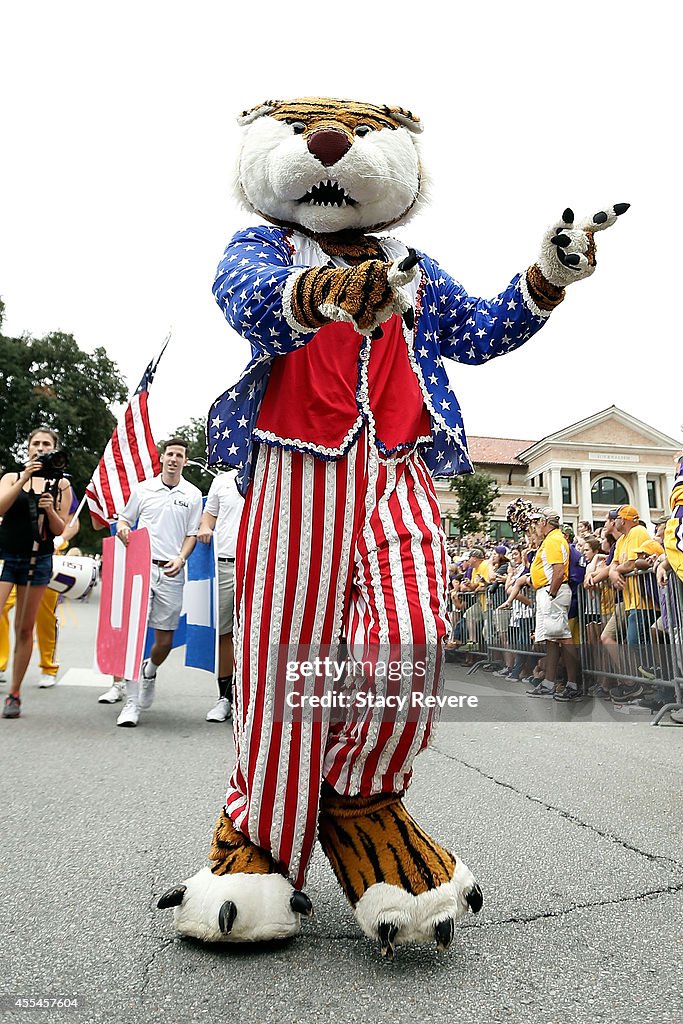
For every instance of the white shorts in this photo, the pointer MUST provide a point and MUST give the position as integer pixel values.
(165, 599)
(552, 617)
(226, 596)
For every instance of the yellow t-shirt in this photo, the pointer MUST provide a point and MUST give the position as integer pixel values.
(482, 574)
(673, 537)
(637, 593)
(553, 551)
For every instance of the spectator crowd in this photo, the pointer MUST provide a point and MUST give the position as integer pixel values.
(591, 614)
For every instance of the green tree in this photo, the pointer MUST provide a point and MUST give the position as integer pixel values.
(476, 494)
(50, 381)
(194, 433)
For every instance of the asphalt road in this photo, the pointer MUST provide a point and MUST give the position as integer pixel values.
(569, 816)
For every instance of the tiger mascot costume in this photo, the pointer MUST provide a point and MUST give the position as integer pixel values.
(336, 428)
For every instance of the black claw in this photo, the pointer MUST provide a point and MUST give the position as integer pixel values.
(172, 898)
(377, 334)
(573, 259)
(599, 218)
(409, 318)
(226, 917)
(568, 216)
(561, 240)
(475, 898)
(386, 933)
(444, 932)
(410, 261)
(300, 904)
(620, 208)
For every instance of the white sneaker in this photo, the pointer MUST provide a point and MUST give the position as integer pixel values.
(130, 715)
(113, 695)
(46, 681)
(221, 711)
(147, 687)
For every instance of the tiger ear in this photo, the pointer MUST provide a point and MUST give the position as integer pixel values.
(405, 118)
(260, 110)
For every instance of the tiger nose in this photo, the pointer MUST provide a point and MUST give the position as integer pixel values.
(328, 145)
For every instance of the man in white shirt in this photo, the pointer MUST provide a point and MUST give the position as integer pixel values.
(221, 520)
(170, 508)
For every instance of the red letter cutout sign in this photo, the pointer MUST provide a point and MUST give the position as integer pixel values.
(124, 605)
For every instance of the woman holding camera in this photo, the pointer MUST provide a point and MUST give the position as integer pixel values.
(34, 509)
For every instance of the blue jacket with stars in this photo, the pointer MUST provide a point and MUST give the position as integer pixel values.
(251, 279)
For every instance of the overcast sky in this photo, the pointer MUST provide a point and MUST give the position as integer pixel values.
(119, 136)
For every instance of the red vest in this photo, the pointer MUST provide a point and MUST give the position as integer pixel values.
(313, 393)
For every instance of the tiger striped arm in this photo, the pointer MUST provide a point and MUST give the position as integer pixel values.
(365, 295)
(402, 885)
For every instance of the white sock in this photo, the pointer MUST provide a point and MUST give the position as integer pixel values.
(132, 689)
(145, 670)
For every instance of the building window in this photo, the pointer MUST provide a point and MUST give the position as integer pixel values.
(540, 480)
(652, 494)
(608, 491)
(501, 530)
(566, 490)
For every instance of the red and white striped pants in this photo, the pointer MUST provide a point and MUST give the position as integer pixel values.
(330, 550)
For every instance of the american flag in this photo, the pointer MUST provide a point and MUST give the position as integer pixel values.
(130, 456)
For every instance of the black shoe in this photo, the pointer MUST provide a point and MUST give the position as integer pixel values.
(651, 703)
(568, 694)
(623, 694)
(650, 671)
(11, 707)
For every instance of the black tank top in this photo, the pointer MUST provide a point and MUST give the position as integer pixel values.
(17, 528)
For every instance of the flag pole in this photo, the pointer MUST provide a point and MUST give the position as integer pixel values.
(150, 371)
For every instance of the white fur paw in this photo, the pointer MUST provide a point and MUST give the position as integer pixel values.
(394, 916)
(236, 908)
(568, 251)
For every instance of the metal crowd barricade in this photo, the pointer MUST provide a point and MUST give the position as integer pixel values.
(634, 635)
(508, 630)
(470, 629)
(672, 616)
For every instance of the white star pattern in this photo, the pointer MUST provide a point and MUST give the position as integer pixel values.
(249, 286)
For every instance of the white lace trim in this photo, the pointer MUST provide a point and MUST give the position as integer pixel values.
(287, 303)
(295, 443)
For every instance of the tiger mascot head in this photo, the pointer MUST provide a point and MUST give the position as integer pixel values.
(327, 165)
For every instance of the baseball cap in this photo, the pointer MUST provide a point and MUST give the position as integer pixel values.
(547, 513)
(613, 513)
(629, 512)
(660, 520)
(501, 550)
(477, 553)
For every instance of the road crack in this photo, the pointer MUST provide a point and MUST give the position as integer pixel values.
(567, 815)
(666, 890)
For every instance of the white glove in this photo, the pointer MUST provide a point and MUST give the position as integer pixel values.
(568, 250)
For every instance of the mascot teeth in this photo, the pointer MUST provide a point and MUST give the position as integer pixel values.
(327, 193)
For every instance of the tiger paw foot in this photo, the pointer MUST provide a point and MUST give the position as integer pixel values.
(402, 884)
(236, 907)
(394, 917)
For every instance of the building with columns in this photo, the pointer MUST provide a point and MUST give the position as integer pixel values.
(583, 470)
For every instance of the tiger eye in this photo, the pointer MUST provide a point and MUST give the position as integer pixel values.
(363, 129)
(298, 127)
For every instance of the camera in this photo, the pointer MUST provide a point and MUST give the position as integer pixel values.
(52, 465)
